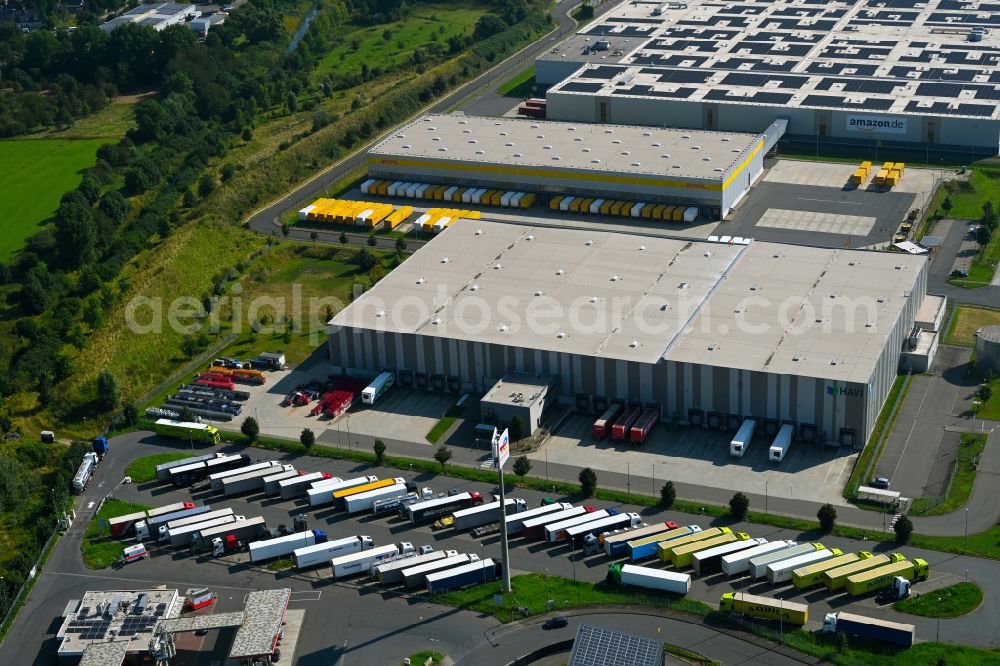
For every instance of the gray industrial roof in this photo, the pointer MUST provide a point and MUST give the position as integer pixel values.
(627, 149)
(597, 646)
(115, 614)
(518, 388)
(768, 307)
(897, 57)
(111, 653)
(265, 611)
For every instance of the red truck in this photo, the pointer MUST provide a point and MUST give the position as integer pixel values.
(602, 424)
(644, 425)
(619, 432)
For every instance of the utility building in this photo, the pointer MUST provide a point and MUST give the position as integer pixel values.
(708, 332)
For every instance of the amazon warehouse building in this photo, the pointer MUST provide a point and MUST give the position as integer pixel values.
(708, 332)
(905, 74)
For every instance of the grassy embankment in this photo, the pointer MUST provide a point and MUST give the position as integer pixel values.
(963, 477)
(443, 424)
(961, 331)
(520, 86)
(883, 426)
(100, 551)
(952, 601)
(967, 198)
(143, 470)
(532, 591)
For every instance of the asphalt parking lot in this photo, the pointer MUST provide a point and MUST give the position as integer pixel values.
(358, 622)
(809, 472)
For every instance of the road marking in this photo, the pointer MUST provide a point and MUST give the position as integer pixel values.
(846, 203)
(90, 505)
(306, 596)
(155, 581)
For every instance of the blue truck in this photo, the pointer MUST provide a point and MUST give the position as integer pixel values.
(869, 627)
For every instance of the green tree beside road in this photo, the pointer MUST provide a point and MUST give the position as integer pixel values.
(738, 506)
(250, 429)
(588, 482)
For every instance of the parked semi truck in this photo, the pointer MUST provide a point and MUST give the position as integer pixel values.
(807, 576)
(123, 525)
(340, 496)
(758, 565)
(590, 533)
(356, 563)
(163, 470)
(248, 529)
(621, 428)
(297, 486)
(602, 426)
(371, 393)
(869, 627)
(163, 531)
(216, 479)
(741, 442)
(836, 579)
(781, 572)
(473, 573)
(646, 547)
(881, 577)
(765, 608)
(644, 425)
(196, 432)
(781, 444)
(181, 536)
(322, 553)
(515, 522)
(322, 492)
(430, 510)
(484, 514)
(390, 573)
(150, 528)
(650, 579)
(683, 556)
(534, 528)
(615, 542)
(665, 549)
(272, 484)
(251, 481)
(363, 501)
(84, 472)
(416, 575)
(709, 561)
(737, 563)
(188, 474)
(393, 504)
(557, 531)
(285, 545)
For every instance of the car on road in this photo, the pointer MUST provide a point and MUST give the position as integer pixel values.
(556, 622)
(959, 273)
(880, 482)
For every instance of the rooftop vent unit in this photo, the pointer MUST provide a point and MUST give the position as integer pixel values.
(445, 260)
(616, 278)
(560, 272)
(589, 243)
(503, 328)
(474, 287)
(479, 232)
(421, 280)
(561, 334)
(380, 314)
(633, 344)
(436, 321)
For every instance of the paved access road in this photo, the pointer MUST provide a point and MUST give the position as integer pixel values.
(351, 624)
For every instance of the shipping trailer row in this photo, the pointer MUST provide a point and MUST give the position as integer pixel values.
(602, 426)
(621, 208)
(163, 470)
(322, 553)
(534, 528)
(515, 523)
(284, 545)
(432, 509)
(123, 525)
(163, 531)
(650, 579)
(416, 575)
(322, 492)
(647, 546)
(473, 573)
(363, 562)
(664, 549)
(741, 442)
(150, 527)
(297, 486)
(390, 573)
(198, 389)
(455, 193)
(188, 474)
(366, 214)
(615, 544)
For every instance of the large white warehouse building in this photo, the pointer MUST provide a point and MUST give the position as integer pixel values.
(709, 332)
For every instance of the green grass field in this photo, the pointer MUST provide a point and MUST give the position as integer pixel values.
(969, 451)
(100, 551)
(36, 174)
(425, 23)
(953, 601)
(966, 322)
(520, 86)
(143, 470)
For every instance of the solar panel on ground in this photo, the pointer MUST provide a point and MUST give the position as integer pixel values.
(596, 646)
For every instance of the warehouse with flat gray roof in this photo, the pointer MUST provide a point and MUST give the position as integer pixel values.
(709, 332)
(917, 74)
(697, 168)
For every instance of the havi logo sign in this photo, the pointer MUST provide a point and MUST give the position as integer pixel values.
(835, 389)
(881, 124)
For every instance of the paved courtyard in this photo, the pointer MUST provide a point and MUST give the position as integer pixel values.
(829, 223)
(700, 456)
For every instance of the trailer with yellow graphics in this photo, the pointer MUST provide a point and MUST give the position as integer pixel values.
(626, 210)
(554, 204)
(876, 579)
(528, 200)
(805, 577)
(764, 608)
(393, 219)
(340, 495)
(665, 549)
(683, 556)
(836, 579)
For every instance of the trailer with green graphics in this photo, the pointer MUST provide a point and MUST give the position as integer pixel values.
(836, 579)
(876, 579)
(665, 549)
(196, 432)
(759, 565)
(806, 577)
(764, 608)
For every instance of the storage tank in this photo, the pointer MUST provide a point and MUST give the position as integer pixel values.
(988, 349)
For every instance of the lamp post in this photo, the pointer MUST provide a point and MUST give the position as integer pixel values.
(966, 528)
(765, 497)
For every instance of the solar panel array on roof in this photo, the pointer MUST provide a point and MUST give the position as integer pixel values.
(596, 646)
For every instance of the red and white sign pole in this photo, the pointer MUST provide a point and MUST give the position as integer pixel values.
(501, 452)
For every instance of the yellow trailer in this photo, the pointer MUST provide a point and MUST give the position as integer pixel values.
(496, 197)
(528, 200)
(400, 214)
(626, 210)
(647, 210)
(859, 176)
(836, 579)
(683, 555)
(574, 206)
(665, 549)
(382, 187)
(584, 206)
(457, 194)
(663, 212)
(606, 207)
(319, 206)
(812, 574)
(616, 208)
(881, 176)
(866, 165)
(900, 167)
(679, 213)
(764, 608)
(554, 204)
(328, 212)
